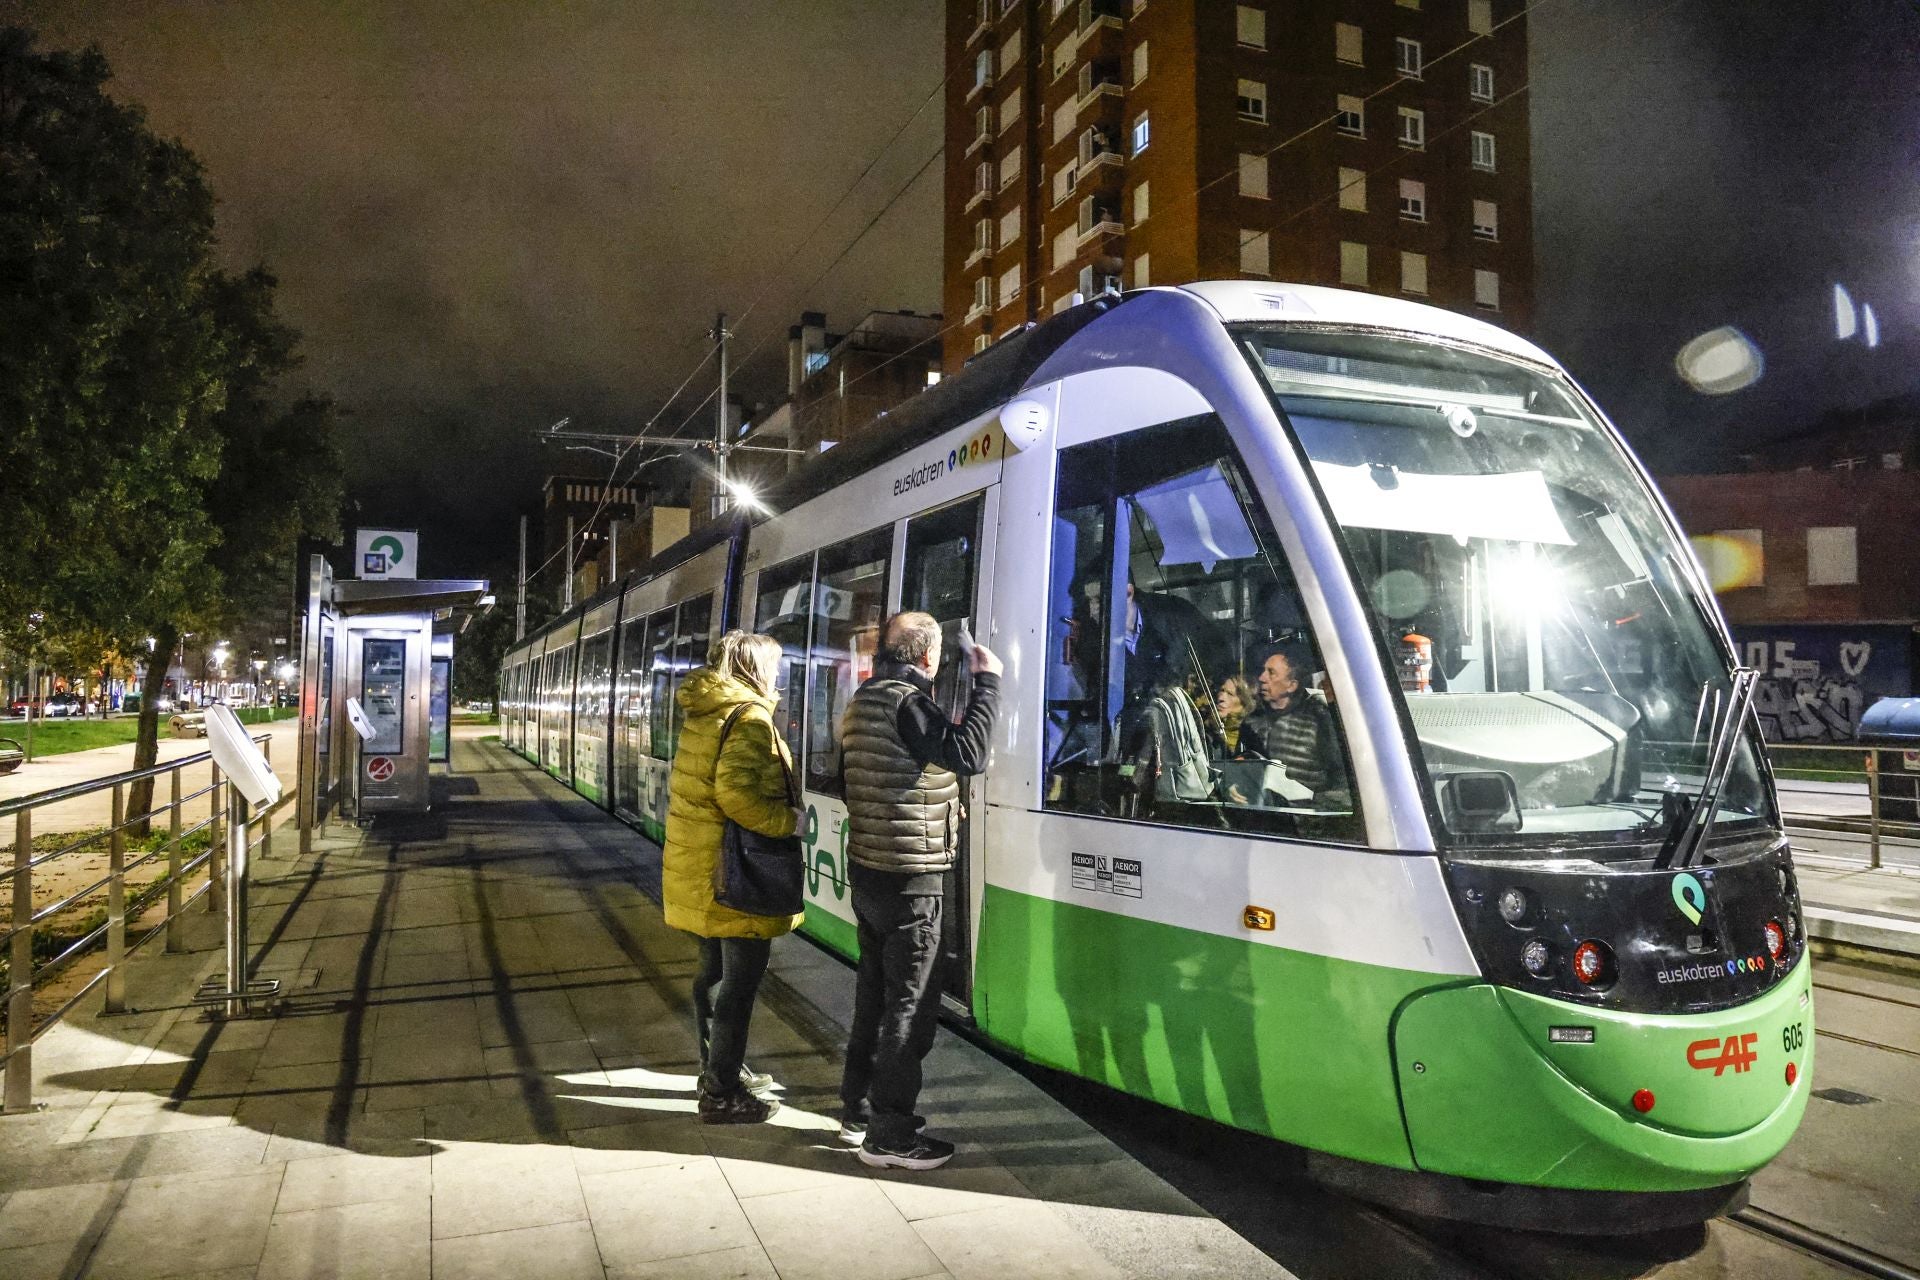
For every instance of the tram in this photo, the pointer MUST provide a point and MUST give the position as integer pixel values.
(1374, 771)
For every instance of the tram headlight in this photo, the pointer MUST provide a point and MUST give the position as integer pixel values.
(1592, 962)
(1515, 905)
(1776, 939)
(1537, 956)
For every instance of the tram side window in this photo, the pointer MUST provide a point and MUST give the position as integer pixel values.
(937, 577)
(781, 610)
(1195, 697)
(630, 708)
(690, 643)
(849, 605)
(660, 681)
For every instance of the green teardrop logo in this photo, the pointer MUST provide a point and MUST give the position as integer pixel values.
(389, 544)
(1690, 896)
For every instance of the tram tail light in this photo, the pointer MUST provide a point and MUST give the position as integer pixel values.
(1592, 962)
(1793, 1073)
(1537, 956)
(1776, 939)
(1643, 1101)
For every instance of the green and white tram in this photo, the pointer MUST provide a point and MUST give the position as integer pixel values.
(1373, 772)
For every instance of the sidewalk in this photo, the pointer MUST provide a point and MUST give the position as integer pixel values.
(1878, 909)
(484, 1067)
(48, 772)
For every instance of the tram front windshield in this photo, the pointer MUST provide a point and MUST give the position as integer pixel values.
(1559, 670)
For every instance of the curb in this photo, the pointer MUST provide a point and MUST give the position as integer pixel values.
(1863, 929)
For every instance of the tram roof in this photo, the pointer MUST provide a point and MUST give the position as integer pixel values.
(1258, 301)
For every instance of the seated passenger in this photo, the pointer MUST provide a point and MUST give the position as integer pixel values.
(1295, 730)
(1232, 703)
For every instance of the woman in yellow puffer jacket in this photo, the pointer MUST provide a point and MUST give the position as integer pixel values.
(747, 782)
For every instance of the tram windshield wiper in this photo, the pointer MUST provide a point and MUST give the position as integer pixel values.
(1688, 824)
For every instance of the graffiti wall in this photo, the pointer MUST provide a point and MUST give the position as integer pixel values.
(1817, 678)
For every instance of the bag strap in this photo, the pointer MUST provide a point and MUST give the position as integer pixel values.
(786, 769)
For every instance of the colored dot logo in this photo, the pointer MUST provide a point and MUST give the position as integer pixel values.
(1690, 896)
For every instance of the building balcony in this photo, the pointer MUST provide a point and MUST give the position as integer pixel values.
(977, 198)
(1103, 37)
(980, 254)
(979, 140)
(975, 311)
(1106, 223)
(1100, 167)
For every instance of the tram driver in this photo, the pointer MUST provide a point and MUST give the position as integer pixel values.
(1292, 732)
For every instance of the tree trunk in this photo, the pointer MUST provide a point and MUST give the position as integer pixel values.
(146, 738)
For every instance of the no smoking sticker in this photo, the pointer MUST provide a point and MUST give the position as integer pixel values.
(379, 768)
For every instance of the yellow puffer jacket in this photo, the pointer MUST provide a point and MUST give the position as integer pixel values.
(749, 787)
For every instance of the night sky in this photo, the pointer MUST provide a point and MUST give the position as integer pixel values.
(488, 216)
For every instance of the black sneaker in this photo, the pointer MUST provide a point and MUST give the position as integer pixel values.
(738, 1107)
(919, 1153)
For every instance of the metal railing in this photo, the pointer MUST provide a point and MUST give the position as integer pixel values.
(223, 808)
(1849, 809)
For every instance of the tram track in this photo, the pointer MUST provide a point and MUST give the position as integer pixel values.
(1828, 1248)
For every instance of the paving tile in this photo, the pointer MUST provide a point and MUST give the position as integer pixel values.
(186, 1224)
(421, 1095)
(378, 1240)
(669, 1211)
(481, 1187)
(748, 1262)
(535, 1018)
(641, 1144)
(970, 1182)
(226, 1150)
(426, 940)
(758, 1168)
(426, 1058)
(564, 1251)
(353, 1178)
(451, 1015)
(868, 1240)
(51, 1215)
(137, 1115)
(1007, 1239)
(40, 1261)
(553, 1058)
(308, 1039)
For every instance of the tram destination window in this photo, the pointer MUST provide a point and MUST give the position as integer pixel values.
(849, 604)
(1183, 684)
(1538, 612)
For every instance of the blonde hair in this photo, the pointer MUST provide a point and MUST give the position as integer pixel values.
(754, 660)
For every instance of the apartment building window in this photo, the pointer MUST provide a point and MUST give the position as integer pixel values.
(1486, 219)
(1483, 151)
(1009, 227)
(1142, 275)
(1353, 189)
(1061, 303)
(1093, 214)
(1256, 258)
(1480, 82)
(1480, 17)
(981, 341)
(1060, 7)
(1486, 289)
(1141, 134)
(1353, 263)
(1250, 99)
(1063, 182)
(1413, 201)
(979, 18)
(1408, 58)
(1413, 127)
(1063, 248)
(1009, 284)
(982, 294)
(1350, 114)
(1010, 53)
(982, 69)
(1253, 176)
(1140, 62)
(1833, 556)
(1009, 168)
(982, 124)
(983, 236)
(1063, 119)
(983, 178)
(1009, 110)
(1063, 57)
(1346, 43)
(1413, 272)
(1140, 205)
(1250, 26)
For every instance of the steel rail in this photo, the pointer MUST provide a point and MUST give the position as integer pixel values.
(1830, 1248)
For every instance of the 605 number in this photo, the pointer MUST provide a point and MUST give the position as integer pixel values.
(1793, 1036)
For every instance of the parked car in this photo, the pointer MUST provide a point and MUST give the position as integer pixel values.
(190, 724)
(65, 704)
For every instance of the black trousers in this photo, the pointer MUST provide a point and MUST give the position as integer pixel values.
(723, 994)
(895, 1004)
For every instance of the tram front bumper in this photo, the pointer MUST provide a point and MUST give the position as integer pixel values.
(1505, 1086)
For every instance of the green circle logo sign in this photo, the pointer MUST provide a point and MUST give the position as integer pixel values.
(390, 546)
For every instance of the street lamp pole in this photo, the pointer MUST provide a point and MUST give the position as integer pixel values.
(720, 441)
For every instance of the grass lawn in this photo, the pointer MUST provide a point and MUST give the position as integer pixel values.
(57, 737)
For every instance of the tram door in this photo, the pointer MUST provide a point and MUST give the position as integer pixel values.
(940, 575)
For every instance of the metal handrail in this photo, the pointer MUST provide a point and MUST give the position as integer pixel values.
(26, 976)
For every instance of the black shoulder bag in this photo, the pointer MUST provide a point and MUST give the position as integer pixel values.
(759, 875)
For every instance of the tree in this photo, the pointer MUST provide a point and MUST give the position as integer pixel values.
(149, 481)
(478, 650)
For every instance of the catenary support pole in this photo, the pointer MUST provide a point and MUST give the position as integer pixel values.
(520, 604)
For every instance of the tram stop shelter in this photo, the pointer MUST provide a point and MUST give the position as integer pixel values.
(374, 690)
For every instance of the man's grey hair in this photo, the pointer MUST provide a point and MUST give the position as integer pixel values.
(909, 637)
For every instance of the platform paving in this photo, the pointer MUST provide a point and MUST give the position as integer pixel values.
(484, 1066)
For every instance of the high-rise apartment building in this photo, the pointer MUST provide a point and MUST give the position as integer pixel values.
(1110, 144)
